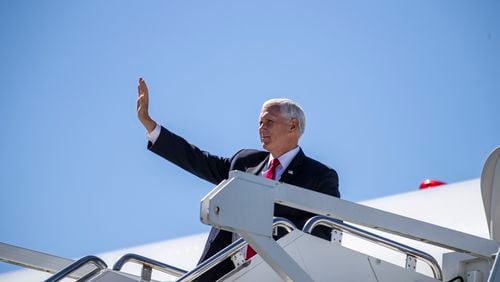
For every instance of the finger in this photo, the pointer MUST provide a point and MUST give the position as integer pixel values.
(143, 87)
(144, 92)
(142, 100)
(139, 85)
(140, 89)
(141, 107)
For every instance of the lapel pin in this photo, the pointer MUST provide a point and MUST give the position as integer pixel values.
(290, 172)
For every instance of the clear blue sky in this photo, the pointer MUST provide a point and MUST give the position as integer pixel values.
(394, 92)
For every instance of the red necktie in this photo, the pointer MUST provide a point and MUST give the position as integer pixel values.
(271, 174)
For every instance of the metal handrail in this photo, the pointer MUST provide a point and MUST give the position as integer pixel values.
(229, 251)
(99, 263)
(38, 260)
(407, 250)
(154, 264)
(495, 269)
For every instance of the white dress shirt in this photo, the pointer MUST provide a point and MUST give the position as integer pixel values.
(285, 161)
(153, 135)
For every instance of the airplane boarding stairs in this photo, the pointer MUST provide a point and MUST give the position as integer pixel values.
(322, 259)
(299, 256)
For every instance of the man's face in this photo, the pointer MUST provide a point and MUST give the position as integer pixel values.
(276, 132)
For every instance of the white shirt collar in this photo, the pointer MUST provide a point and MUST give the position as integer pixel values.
(286, 158)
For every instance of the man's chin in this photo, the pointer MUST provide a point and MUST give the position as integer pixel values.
(265, 146)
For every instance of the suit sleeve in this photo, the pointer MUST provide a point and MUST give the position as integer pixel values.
(177, 150)
(329, 183)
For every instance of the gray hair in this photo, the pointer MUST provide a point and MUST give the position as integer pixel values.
(289, 109)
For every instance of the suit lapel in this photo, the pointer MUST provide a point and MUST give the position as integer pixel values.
(293, 168)
(258, 168)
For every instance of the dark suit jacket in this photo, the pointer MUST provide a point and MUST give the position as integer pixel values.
(307, 173)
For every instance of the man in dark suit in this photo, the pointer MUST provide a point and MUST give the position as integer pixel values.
(281, 124)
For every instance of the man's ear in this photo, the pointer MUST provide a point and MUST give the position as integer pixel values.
(294, 124)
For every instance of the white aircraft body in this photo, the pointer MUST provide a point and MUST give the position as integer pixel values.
(470, 207)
